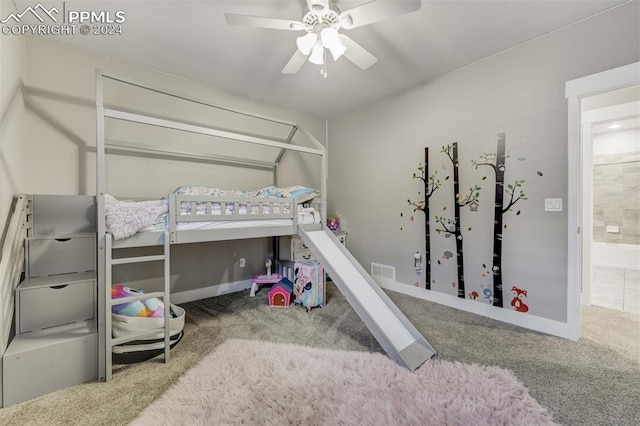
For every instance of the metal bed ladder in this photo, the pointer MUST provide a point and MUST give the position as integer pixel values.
(164, 295)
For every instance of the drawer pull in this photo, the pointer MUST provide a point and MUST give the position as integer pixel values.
(63, 240)
(59, 287)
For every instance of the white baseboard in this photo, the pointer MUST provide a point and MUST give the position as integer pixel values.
(211, 291)
(532, 322)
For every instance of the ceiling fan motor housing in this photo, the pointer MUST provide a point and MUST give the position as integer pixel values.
(318, 4)
(319, 16)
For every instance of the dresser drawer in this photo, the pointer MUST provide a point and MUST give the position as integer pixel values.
(301, 256)
(293, 248)
(298, 244)
(291, 244)
(53, 256)
(46, 302)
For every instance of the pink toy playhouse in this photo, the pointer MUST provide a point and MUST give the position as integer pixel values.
(280, 294)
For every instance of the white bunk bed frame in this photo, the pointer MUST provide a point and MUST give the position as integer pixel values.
(174, 235)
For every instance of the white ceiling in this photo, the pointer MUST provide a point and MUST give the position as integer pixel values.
(191, 39)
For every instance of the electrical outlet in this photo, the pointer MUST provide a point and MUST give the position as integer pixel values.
(243, 262)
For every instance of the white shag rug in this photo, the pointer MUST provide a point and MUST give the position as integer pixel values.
(250, 382)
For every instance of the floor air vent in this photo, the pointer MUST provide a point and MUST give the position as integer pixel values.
(383, 271)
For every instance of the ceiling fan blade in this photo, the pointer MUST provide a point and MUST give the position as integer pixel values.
(295, 63)
(376, 11)
(263, 22)
(357, 54)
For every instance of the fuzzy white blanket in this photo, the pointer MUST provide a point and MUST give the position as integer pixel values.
(125, 218)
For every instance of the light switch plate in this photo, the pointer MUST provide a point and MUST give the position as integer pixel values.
(553, 204)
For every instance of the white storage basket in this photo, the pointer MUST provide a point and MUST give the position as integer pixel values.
(152, 346)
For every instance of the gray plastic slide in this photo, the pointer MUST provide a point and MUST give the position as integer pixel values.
(397, 336)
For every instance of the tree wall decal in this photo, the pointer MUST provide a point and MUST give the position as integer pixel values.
(515, 192)
(454, 227)
(431, 184)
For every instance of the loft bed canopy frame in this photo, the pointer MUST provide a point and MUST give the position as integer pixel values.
(106, 146)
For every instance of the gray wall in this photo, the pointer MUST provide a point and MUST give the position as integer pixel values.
(375, 150)
(60, 151)
(12, 118)
(60, 139)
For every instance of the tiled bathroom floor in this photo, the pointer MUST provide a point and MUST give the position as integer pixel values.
(616, 288)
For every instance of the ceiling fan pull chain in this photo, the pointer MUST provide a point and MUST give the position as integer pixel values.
(323, 70)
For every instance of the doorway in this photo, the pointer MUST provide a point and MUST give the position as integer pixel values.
(580, 194)
(610, 123)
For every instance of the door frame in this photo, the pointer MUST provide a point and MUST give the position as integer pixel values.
(575, 90)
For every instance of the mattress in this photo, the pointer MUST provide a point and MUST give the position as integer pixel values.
(307, 216)
(226, 224)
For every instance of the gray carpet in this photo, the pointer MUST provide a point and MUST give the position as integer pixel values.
(590, 382)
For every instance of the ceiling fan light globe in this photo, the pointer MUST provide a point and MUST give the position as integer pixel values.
(337, 51)
(330, 37)
(317, 54)
(306, 42)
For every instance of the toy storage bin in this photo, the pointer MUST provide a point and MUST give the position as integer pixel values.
(150, 347)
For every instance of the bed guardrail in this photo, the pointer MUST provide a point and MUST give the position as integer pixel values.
(12, 264)
(194, 208)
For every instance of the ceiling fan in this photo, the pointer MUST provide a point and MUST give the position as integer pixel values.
(322, 21)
